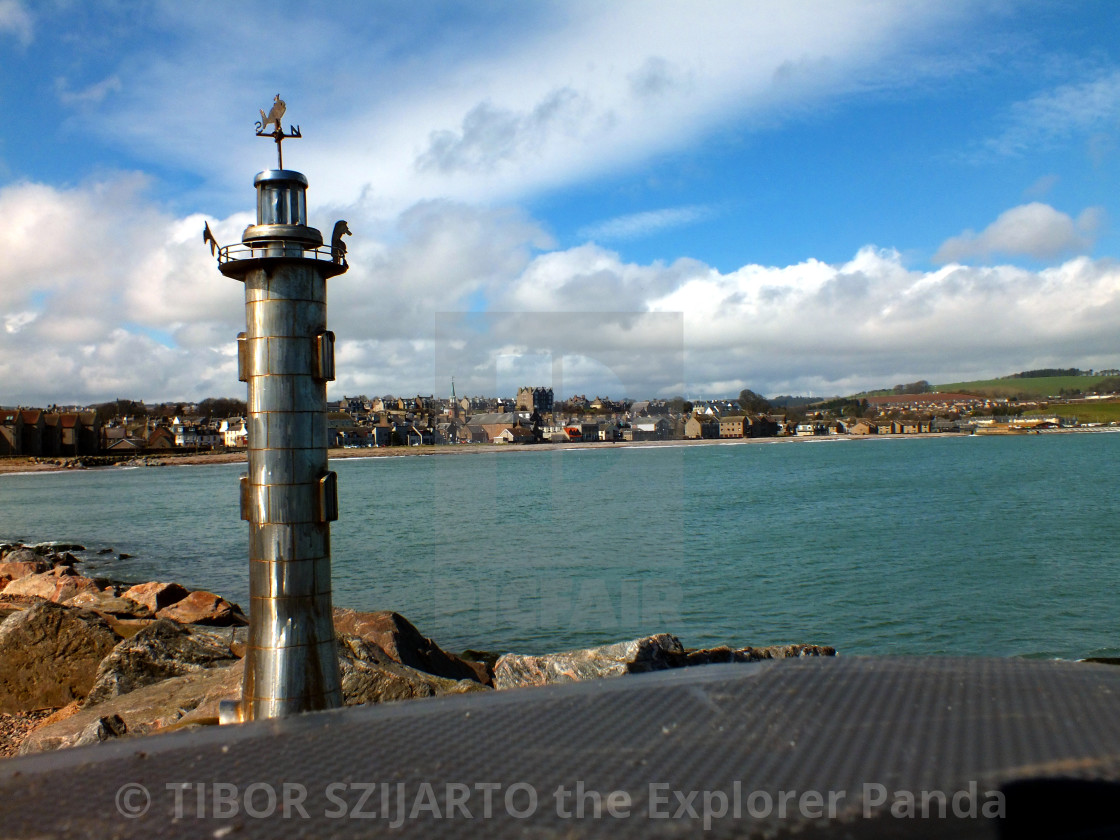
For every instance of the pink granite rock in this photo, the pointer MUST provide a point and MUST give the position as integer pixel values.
(58, 585)
(155, 595)
(202, 607)
(396, 635)
(18, 569)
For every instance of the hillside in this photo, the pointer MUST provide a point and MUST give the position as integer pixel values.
(1022, 388)
(1085, 412)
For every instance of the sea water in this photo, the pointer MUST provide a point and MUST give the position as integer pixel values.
(950, 545)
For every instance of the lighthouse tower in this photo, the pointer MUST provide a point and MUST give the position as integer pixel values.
(289, 497)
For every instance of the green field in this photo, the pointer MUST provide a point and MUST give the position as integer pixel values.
(1043, 386)
(1090, 412)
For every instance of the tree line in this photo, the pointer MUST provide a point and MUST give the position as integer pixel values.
(209, 407)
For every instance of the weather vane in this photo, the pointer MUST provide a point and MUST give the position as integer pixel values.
(273, 118)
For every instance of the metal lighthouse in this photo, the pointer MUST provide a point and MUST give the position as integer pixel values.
(289, 497)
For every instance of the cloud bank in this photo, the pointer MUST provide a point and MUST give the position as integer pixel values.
(128, 302)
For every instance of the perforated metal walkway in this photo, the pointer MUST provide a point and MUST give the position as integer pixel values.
(864, 747)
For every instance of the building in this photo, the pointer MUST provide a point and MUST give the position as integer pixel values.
(538, 400)
(701, 428)
(734, 426)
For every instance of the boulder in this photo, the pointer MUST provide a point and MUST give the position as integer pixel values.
(161, 650)
(16, 569)
(191, 698)
(155, 595)
(651, 653)
(203, 608)
(58, 585)
(55, 547)
(109, 604)
(16, 603)
(21, 554)
(404, 644)
(49, 656)
(369, 675)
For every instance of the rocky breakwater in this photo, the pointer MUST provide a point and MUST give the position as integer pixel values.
(84, 659)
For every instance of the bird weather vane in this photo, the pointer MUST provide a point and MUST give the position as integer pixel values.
(275, 114)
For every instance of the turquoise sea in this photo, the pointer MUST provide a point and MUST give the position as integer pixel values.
(961, 545)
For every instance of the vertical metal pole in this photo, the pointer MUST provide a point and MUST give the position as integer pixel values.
(291, 665)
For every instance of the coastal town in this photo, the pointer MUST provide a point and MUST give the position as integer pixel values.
(126, 428)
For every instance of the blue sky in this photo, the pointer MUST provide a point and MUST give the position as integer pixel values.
(639, 199)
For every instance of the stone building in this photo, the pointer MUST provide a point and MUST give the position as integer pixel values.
(538, 400)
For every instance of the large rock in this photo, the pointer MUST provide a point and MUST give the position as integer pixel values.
(189, 699)
(16, 603)
(203, 608)
(651, 653)
(21, 554)
(155, 595)
(49, 656)
(397, 637)
(55, 547)
(16, 569)
(107, 603)
(58, 585)
(160, 651)
(369, 675)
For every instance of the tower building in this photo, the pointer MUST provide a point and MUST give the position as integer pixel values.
(288, 497)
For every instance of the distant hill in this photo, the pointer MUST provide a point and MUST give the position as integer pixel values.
(1027, 384)
(1030, 387)
(788, 401)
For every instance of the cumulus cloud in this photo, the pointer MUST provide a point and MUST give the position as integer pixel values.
(90, 274)
(128, 302)
(1034, 230)
(812, 326)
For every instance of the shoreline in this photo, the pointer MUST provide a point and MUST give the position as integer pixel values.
(65, 463)
(84, 659)
(33, 464)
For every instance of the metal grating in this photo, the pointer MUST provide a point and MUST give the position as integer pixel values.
(859, 730)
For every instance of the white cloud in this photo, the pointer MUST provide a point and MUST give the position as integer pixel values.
(1042, 186)
(128, 302)
(637, 225)
(89, 95)
(555, 92)
(14, 18)
(1030, 230)
(1054, 115)
(687, 328)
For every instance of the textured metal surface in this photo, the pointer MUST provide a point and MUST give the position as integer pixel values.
(675, 746)
(290, 664)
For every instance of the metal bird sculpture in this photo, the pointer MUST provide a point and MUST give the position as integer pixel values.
(338, 247)
(274, 115)
(208, 236)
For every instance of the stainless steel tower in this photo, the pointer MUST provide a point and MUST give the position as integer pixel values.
(289, 496)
